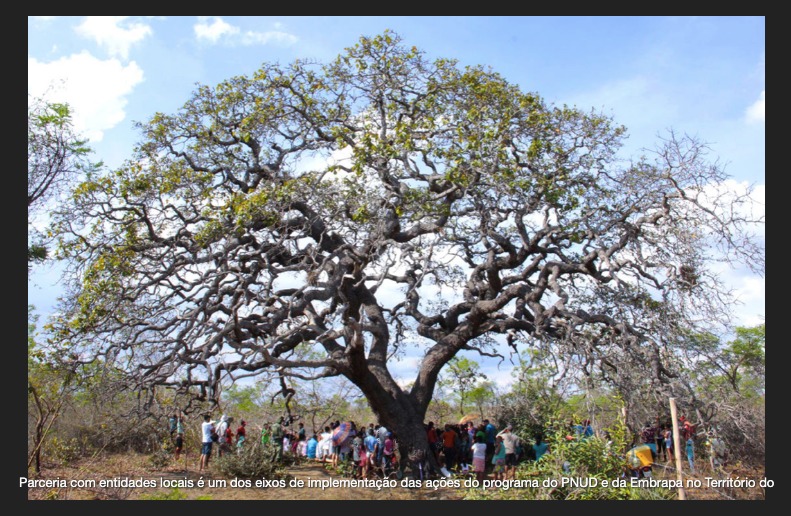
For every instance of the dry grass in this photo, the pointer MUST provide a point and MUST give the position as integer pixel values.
(705, 492)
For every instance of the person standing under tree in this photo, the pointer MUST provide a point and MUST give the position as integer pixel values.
(688, 435)
(313, 444)
(661, 448)
(221, 427)
(434, 443)
(207, 429)
(277, 436)
(509, 443)
(226, 438)
(491, 433)
(540, 448)
(177, 433)
(172, 423)
(648, 435)
(691, 455)
(464, 449)
(668, 434)
(498, 458)
(241, 434)
(449, 445)
(479, 457)
(179, 445)
(266, 434)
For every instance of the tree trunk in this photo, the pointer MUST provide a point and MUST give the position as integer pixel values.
(38, 432)
(38, 444)
(397, 411)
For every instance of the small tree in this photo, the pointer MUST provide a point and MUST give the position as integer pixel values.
(462, 375)
(51, 377)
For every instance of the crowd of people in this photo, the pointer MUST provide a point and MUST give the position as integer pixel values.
(221, 434)
(656, 442)
(458, 449)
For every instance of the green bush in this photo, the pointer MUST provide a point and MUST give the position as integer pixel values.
(590, 458)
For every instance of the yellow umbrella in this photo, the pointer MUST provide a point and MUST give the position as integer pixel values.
(468, 418)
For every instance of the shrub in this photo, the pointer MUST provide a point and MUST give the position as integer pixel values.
(64, 451)
(251, 462)
(160, 458)
(589, 458)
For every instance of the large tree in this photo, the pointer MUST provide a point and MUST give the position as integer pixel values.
(384, 202)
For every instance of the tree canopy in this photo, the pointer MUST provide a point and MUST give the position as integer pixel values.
(55, 155)
(314, 220)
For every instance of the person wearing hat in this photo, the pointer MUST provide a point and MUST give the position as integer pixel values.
(241, 434)
(510, 442)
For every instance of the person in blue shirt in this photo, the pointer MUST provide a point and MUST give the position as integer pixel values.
(587, 429)
(491, 434)
(691, 454)
(370, 442)
(540, 447)
(313, 444)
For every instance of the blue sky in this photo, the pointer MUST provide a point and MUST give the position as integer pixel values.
(704, 76)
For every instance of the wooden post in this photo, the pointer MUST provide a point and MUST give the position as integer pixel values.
(677, 449)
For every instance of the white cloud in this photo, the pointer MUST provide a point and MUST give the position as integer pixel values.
(43, 18)
(756, 113)
(752, 288)
(750, 294)
(262, 38)
(96, 89)
(113, 34)
(214, 29)
(723, 196)
(501, 375)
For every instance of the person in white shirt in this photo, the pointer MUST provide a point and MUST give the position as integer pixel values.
(207, 427)
(510, 441)
(479, 457)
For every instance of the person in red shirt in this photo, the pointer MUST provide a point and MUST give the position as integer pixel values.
(241, 434)
(226, 441)
(387, 454)
(687, 428)
(449, 441)
(687, 431)
(433, 439)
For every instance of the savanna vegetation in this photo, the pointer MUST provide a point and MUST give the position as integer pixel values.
(278, 244)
